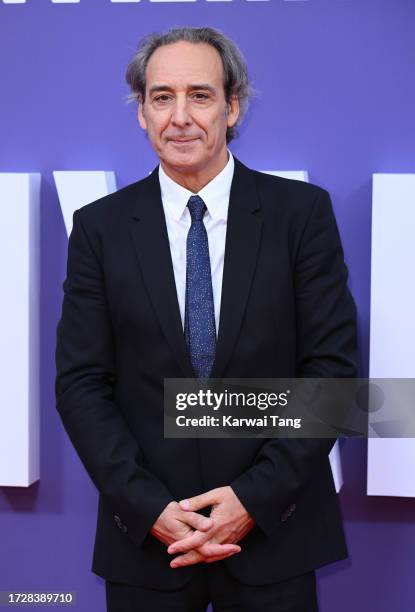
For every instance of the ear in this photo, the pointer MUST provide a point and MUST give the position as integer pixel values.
(233, 111)
(140, 114)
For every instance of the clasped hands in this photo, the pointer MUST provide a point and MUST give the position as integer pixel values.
(200, 538)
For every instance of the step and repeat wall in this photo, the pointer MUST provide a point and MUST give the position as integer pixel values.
(333, 105)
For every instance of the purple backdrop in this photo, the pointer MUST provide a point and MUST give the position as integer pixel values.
(338, 99)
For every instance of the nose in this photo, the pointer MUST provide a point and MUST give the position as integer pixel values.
(181, 115)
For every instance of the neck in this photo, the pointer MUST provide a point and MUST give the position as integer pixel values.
(193, 180)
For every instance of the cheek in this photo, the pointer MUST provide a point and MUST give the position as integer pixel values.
(157, 125)
(216, 126)
(215, 132)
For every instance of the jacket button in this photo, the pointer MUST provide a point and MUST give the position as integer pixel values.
(120, 524)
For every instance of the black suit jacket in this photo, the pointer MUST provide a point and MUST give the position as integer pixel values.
(285, 311)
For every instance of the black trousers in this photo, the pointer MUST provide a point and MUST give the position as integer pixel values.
(213, 583)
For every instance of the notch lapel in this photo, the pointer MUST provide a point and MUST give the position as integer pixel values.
(243, 236)
(151, 243)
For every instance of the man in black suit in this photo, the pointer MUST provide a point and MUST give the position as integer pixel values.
(154, 292)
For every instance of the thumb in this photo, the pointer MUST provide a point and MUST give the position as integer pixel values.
(198, 501)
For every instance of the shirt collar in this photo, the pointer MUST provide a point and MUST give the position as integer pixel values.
(215, 194)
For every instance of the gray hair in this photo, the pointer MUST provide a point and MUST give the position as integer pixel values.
(236, 82)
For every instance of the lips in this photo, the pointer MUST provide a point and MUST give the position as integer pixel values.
(182, 140)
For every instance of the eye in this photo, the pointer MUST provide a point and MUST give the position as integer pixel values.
(200, 96)
(162, 98)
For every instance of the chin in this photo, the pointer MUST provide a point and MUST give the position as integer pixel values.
(184, 161)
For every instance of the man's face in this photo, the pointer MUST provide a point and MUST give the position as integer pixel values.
(185, 112)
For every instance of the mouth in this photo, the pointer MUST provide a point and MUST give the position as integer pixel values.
(182, 141)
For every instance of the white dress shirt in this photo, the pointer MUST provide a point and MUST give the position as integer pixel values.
(178, 220)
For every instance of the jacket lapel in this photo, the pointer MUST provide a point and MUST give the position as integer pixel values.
(243, 235)
(151, 243)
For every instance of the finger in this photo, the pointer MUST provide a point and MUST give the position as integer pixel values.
(195, 556)
(219, 558)
(194, 541)
(197, 521)
(190, 558)
(213, 549)
(198, 501)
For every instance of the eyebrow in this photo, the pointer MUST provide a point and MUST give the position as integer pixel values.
(205, 86)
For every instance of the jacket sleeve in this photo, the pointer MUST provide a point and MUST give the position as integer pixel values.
(326, 347)
(85, 364)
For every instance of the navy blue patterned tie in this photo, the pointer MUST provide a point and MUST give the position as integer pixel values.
(199, 324)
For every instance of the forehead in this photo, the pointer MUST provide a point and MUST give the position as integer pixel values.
(183, 63)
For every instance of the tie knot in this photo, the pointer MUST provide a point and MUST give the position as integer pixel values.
(197, 208)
